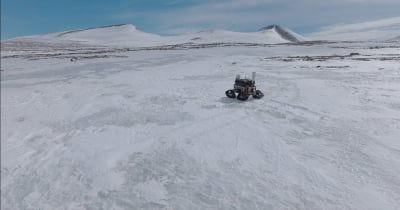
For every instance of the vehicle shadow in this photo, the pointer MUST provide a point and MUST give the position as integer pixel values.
(226, 100)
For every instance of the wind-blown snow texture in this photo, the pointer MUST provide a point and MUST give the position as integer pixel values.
(100, 127)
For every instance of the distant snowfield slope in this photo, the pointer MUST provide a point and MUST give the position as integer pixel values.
(395, 39)
(94, 126)
(379, 30)
(129, 35)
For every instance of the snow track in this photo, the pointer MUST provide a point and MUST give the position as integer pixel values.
(152, 129)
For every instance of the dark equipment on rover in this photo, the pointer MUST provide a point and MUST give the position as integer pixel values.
(244, 88)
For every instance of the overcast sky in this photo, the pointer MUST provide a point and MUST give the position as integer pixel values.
(167, 17)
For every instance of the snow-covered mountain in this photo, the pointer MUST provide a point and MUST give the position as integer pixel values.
(378, 30)
(284, 33)
(115, 34)
(129, 35)
(269, 35)
(121, 34)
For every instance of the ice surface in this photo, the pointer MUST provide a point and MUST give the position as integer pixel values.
(86, 126)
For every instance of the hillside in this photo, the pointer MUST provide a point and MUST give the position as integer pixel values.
(129, 35)
(284, 33)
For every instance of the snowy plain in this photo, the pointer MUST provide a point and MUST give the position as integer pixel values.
(86, 125)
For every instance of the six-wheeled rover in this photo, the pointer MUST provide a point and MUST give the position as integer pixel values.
(244, 88)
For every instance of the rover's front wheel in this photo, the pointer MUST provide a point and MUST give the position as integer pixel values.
(258, 94)
(230, 93)
(242, 97)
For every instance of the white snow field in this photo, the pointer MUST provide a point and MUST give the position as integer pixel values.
(86, 125)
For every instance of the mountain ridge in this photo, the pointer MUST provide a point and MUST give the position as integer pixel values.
(91, 28)
(128, 34)
(283, 32)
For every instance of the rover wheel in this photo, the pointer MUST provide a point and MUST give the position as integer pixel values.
(230, 93)
(242, 97)
(258, 94)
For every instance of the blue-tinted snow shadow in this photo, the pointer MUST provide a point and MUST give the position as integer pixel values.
(226, 100)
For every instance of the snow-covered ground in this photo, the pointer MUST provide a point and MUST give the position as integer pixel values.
(100, 127)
